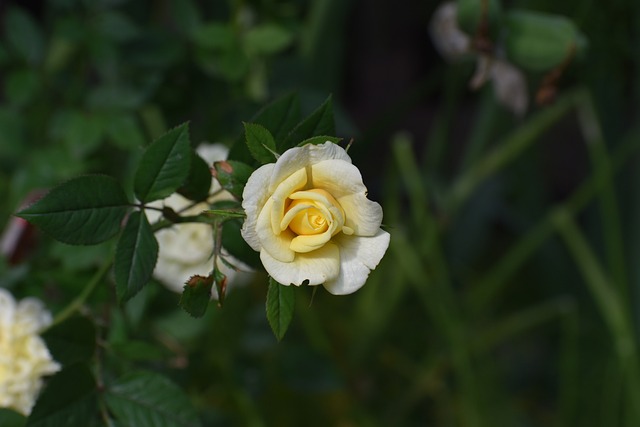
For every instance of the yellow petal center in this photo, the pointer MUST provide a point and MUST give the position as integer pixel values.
(314, 216)
(307, 221)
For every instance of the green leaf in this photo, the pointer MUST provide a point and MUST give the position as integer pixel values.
(24, 35)
(236, 246)
(196, 295)
(198, 182)
(83, 211)
(267, 39)
(320, 122)
(279, 117)
(22, 86)
(164, 166)
(69, 399)
(10, 418)
(260, 142)
(124, 131)
(320, 140)
(185, 15)
(214, 35)
(136, 256)
(232, 176)
(72, 341)
(280, 305)
(116, 26)
(80, 133)
(138, 350)
(145, 399)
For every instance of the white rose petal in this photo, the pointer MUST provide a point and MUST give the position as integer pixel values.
(358, 256)
(24, 357)
(186, 249)
(309, 217)
(312, 268)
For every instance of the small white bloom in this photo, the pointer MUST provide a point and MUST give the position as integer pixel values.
(447, 37)
(24, 357)
(309, 217)
(187, 249)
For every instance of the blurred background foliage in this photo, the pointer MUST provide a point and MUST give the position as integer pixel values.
(509, 296)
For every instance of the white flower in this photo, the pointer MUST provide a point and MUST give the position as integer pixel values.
(187, 249)
(24, 357)
(309, 217)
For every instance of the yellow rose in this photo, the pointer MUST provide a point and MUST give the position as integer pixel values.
(309, 217)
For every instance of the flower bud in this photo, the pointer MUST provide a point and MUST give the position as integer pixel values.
(479, 16)
(538, 42)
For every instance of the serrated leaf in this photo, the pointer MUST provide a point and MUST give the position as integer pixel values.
(260, 142)
(145, 399)
(232, 176)
(320, 140)
(83, 211)
(164, 166)
(10, 418)
(280, 305)
(198, 182)
(196, 295)
(320, 122)
(69, 399)
(279, 117)
(24, 35)
(136, 256)
(72, 341)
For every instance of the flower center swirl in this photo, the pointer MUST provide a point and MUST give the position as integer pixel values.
(314, 216)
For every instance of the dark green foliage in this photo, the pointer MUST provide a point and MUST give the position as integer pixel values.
(136, 256)
(85, 210)
(280, 306)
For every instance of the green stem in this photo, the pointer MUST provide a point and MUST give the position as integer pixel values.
(509, 149)
(434, 287)
(79, 301)
(614, 312)
(601, 161)
(485, 290)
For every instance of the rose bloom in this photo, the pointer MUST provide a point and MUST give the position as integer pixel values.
(309, 217)
(186, 249)
(24, 357)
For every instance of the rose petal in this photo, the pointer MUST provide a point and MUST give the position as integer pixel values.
(276, 244)
(358, 256)
(290, 185)
(344, 182)
(254, 197)
(315, 267)
(301, 157)
(337, 177)
(363, 216)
